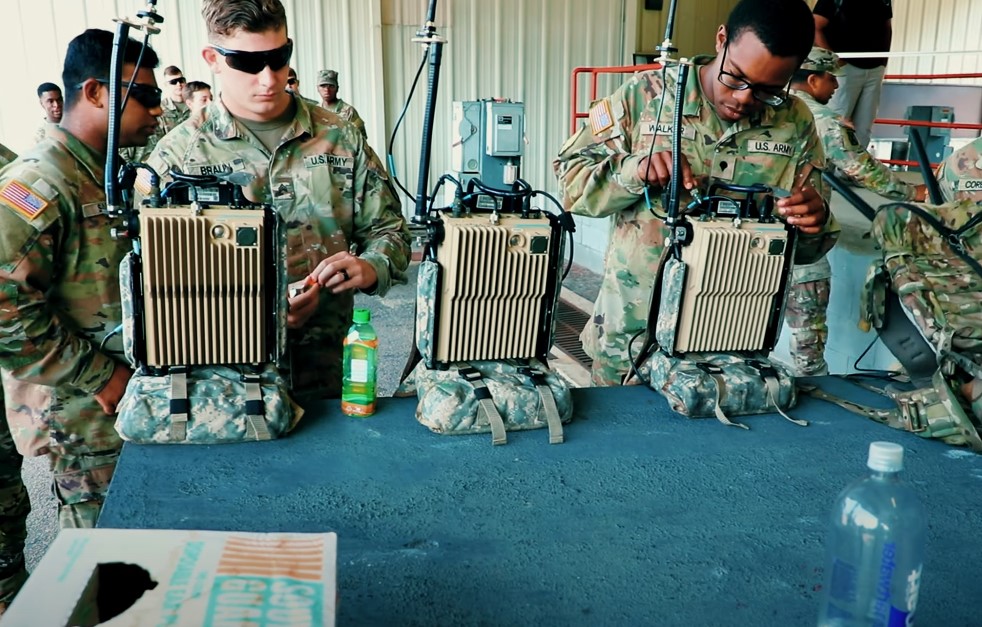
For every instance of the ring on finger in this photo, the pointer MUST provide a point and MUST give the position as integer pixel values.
(344, 273)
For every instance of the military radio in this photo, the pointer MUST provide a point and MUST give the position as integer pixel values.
(203, 291)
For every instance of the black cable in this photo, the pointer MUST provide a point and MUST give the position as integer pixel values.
(392, 138)
(873, 372)
(567, 224)
(630, 359)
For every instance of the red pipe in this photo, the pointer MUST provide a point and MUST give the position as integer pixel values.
(594, 71)
(977, 127)
(928, 77)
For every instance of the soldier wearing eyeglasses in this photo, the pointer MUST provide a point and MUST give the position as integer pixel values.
(343, 218)
(739, 125)
(63, 366)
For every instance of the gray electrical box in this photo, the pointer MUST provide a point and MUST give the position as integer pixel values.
(935, 139)
(487, 142)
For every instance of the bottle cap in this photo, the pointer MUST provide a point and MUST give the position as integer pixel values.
(362, 316)
(885, 457)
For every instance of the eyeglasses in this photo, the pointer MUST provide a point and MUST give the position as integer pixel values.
(256, 62)
(146, 95)
(291, 81)
(773, 96)
(179, 80)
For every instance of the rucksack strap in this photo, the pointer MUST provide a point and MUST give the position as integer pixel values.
(548, 404)
(768, 373)
(180, 406)
(931, 412)
(716, 374)
(255, 409)
(485, 404)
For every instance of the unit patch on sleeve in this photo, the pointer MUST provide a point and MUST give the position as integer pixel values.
(22, 200)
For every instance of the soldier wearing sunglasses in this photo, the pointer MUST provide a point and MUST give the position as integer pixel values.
(63, 367)
(739, 125)
(175, 111)
(344, 221)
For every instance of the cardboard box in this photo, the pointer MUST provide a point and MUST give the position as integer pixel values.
(123, 578)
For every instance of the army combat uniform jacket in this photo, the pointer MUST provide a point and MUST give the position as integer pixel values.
(960, 176)
(843, 150)
(174, 113)
(59, 299)
(333, 194)
(347, 112)
(597, 170)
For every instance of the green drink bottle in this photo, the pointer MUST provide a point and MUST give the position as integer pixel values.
(358, 385)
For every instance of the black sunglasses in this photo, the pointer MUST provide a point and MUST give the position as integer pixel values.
(179, 79)
(146, 95)
(291, 81)
(256, 62)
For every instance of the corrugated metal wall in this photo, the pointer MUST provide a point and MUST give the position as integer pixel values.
(938, 26)
(524, 50)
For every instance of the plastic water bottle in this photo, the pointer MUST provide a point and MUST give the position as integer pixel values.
(359, 366)
(875, 548)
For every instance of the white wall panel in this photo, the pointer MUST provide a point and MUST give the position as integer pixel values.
(937, 26)
(523, 50)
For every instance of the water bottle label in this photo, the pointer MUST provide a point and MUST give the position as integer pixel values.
(359, 371)
(899, 618)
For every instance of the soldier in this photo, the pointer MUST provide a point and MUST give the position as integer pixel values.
(63, 365)
(52, 102)
(14, 502)
(960, 176)
(293, 86)
(197, 95)
(175, 111)
(343, 218)
(740, 126)
(808, 299)
(327, 85)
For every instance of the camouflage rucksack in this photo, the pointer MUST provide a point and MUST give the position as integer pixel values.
(229, 405)
(479, 396)
(924, 296)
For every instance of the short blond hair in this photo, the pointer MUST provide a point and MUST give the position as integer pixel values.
(225, 17)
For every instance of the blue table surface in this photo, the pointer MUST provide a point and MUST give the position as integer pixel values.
(642, 517)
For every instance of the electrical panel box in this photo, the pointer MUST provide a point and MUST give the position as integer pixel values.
(487, 143)
(935, 139)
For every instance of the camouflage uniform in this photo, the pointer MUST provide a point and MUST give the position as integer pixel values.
(14, 502)
(332, 192)
(174, 113)
(59, 303)
(808, 299)
(960, 176)
(347, 112)
(597, 170)
(42, 131)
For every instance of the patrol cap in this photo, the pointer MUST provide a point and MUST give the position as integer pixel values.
(822, 60)
(327, 77)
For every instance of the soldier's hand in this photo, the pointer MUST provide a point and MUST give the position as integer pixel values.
(657, 170)
(805, 209)
(302, 304)
(109, 396)
(344, 271)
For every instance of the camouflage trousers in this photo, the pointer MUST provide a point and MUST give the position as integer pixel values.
(807, 317)
(80, 484)
(14, 507)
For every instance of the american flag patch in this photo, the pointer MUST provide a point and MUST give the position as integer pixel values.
(22, 200)
(600, 117)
